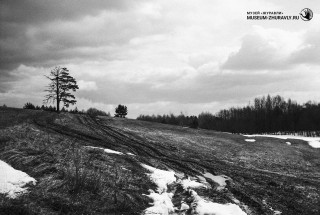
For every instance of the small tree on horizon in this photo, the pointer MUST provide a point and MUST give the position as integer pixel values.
(121, 111)
(60, 85)
(29, 105)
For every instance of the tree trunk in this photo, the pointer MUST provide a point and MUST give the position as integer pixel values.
(58, 105)
(58, 99)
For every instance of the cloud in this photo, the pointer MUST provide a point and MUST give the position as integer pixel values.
(254, 54)
(29, 79)
(264, 49)
(150, 55)
(85, 104)
(46, 33)
(30, 11)
(308, 52)
(87, 85)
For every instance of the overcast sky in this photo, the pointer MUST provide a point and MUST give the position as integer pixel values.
(159, 56)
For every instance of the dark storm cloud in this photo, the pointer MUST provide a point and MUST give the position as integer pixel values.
(35, 11)
(35, 33)
(47, 33)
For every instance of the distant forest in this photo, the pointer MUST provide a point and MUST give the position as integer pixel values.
(265, 115)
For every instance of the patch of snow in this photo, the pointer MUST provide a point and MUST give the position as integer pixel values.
(129, 153)
(219, 179)
(236, 201)
(241, 204)
(109, 151)
(206, 207)
(12, 181)
(179, 174)
(184, 206)
(36, 130)
(112, 152)
(187, 183)
(288, 143)
(201, 179)
(160, 177)
(250, 140)
(162, 203)
(313, 141)
(275, 212)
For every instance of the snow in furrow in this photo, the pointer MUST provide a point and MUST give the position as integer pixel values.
(162, 200)
(219, 179)
(109, 151)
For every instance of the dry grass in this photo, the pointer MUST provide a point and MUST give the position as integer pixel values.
(71, 179)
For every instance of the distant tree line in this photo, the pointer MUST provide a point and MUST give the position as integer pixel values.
(269, 115)
(265, 115)
(182, 120)
(91, 111)
(120, 111)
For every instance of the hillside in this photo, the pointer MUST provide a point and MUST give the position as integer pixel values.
(74, 176)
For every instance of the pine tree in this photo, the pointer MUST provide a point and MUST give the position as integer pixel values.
(59, 87)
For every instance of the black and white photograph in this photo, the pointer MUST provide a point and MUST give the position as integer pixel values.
(159, 107)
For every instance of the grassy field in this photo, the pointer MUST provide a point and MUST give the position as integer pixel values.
(267, 175)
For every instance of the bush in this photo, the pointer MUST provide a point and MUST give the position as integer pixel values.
(29, 105)
(95, 112)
